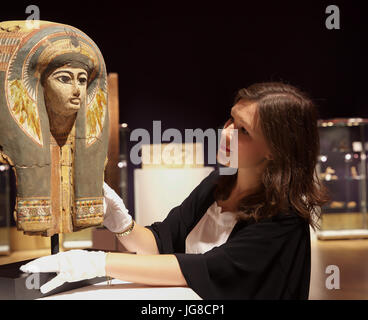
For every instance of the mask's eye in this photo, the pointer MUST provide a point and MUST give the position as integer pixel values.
(64, 79)
(82, 81)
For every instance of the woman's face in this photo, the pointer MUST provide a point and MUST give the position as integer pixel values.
(64, 89)
(251, 148)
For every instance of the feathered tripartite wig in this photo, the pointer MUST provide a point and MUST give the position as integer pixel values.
(29, 52)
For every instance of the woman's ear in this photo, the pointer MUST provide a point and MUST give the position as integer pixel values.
(269, 156)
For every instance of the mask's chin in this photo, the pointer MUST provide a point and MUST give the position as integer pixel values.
(69, 111)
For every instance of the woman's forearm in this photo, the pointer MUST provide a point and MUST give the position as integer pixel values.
(156, 269)
(140, 240)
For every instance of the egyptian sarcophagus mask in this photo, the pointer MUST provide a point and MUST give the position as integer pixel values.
(53, 125)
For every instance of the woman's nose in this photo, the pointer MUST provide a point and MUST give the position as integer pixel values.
(229, 131)
(228, 123)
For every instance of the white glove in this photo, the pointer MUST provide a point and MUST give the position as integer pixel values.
(116, 216)
(71, 266)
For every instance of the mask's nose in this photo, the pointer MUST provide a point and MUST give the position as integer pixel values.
(76, 90)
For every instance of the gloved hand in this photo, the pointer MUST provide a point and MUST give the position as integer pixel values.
(116, 216)
(71, 266)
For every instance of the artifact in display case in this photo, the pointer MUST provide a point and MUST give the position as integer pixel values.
(342, 167)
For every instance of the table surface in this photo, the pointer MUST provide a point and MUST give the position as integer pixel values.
(123, 290)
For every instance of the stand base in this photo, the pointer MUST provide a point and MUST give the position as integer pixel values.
(17, 285)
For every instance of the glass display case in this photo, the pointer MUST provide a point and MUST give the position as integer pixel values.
(342, 167)
(4, 209)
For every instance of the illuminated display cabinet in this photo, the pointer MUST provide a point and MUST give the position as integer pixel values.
(342, 167)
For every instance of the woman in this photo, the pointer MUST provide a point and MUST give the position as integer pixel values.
(241, 236)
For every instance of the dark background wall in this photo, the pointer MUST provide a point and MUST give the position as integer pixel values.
(183, 62)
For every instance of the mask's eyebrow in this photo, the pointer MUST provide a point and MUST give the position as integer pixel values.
(63, 71)
(83, 73)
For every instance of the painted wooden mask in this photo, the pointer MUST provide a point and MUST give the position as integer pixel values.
(53, 125)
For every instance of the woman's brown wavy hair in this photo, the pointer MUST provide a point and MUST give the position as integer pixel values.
(288, 119)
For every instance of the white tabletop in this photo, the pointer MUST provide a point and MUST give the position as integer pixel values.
(123, 290)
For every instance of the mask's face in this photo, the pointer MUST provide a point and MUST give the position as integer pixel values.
(64, 89)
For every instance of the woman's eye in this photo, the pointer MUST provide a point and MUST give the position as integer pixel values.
(64, 79)
(243, 130)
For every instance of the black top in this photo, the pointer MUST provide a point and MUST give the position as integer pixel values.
(269, 259)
